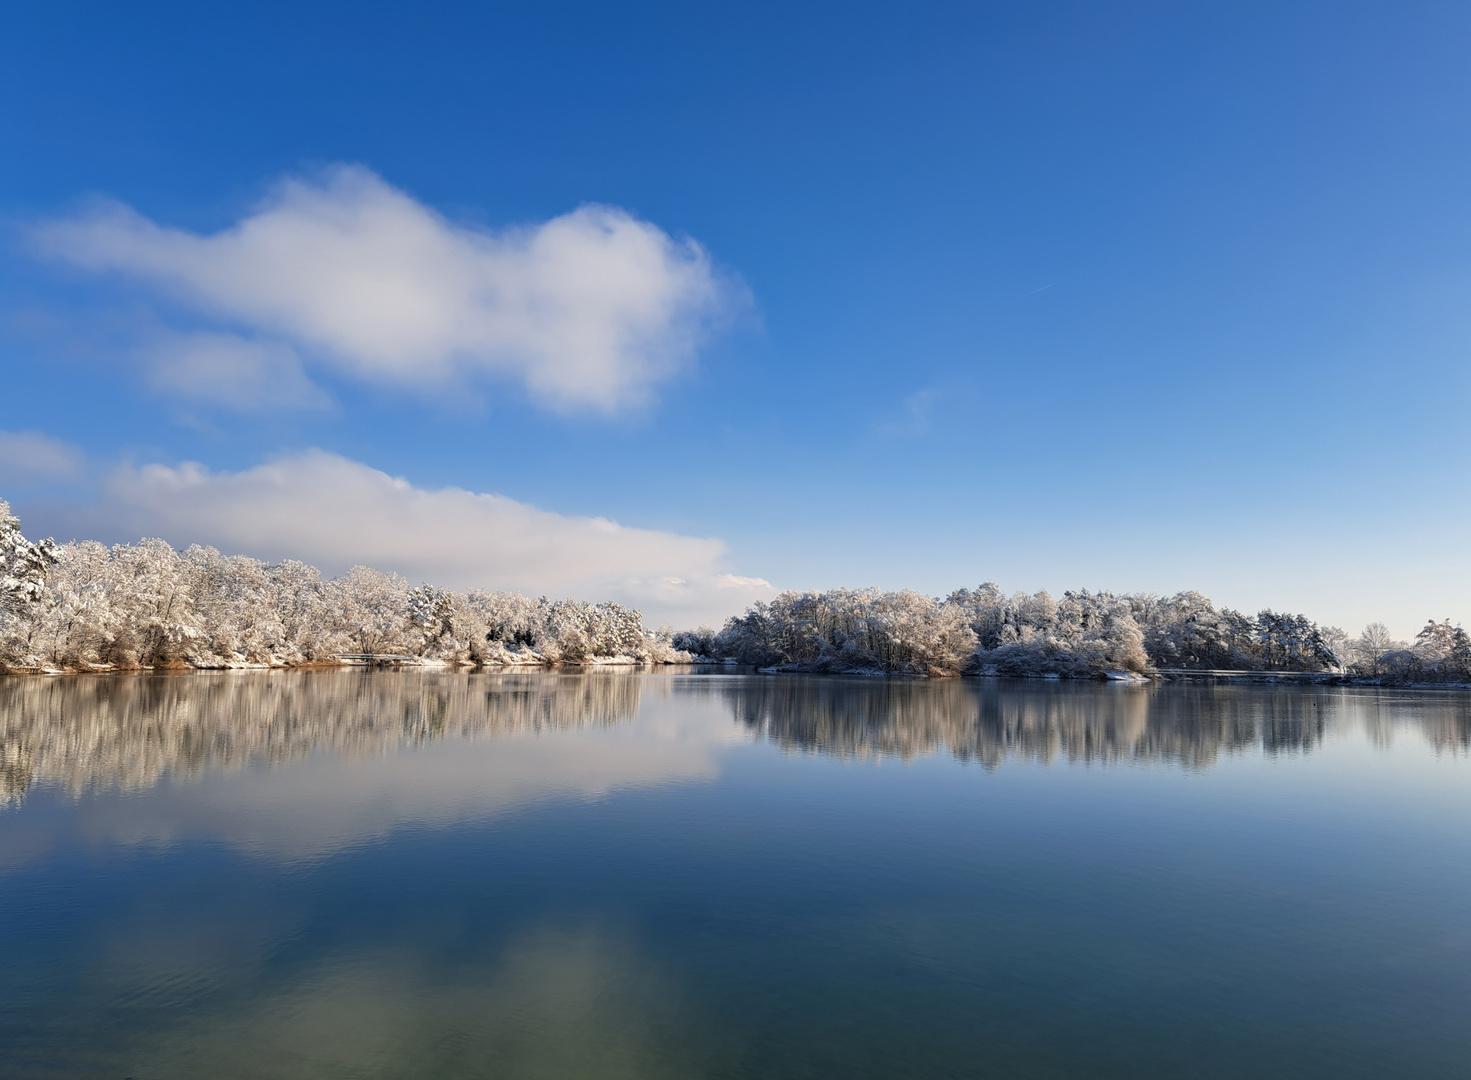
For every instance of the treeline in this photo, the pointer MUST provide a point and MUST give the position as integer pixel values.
(85, 606)
(984, 631)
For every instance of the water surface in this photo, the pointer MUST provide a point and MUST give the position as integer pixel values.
(401, 874)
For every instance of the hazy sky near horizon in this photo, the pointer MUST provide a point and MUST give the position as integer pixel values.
(674, 301)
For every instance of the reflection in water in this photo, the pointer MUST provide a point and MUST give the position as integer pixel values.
(544, 875)
(129, 732)
(577, 1000)
(1448, 725)
(989, 721)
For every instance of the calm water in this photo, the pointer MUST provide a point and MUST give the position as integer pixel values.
(359, 874)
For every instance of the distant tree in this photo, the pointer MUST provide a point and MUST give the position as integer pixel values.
(1293, 643)
(84, 605)
(1186, 631)
(702, 642)
(853, 630)
(1442, 653)
(432, 613)
(1440, 640)
(371, 610)
(1368, 649)
(1338, 642)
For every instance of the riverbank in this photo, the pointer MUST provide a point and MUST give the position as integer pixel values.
(1159, 675)
(624, 663)
(398, 661)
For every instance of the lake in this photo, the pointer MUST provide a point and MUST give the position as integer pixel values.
(351, 873)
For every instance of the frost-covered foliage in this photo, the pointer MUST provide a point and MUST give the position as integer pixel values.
(1100, 633)
(1293, 643)
(1186, 631)
(852, 630)
(23, 564)
(511, 628)
(1440, 653)
(24, 567)
(704, 642)
(985, 631)
(85, 606)
(978, 630)
(1083, 634)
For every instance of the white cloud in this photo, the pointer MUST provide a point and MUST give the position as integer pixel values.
(230, 371)
(29, 457)
(590, 310)
(333, 512)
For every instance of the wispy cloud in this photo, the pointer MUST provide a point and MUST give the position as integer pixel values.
(590, 310)
(229, 371)
(912, 417)
(334, 512)
(29, 457)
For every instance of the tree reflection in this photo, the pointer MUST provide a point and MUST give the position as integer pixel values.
(990, 721)
(129, 732)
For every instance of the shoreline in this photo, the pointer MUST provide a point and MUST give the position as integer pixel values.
(336, 665)
(1306, 678)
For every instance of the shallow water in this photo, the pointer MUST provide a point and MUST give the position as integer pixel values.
(399, 874)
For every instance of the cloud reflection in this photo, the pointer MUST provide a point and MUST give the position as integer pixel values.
(130, 732)
(302, 764)
(579, 1000)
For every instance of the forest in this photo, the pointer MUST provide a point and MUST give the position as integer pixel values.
(84, 606)
(984, 631)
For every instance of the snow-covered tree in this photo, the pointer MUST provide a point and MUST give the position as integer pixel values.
(432, 614)
(703, 642)
(853, 630)
(1440, 653)
(24, 564)
(1186, 631)
(1365, 651)
(371, 610)
(24, 568)
(1293, 643)
(1441, 641)
(85, 606)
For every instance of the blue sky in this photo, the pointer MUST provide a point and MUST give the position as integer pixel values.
(1137, 296)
